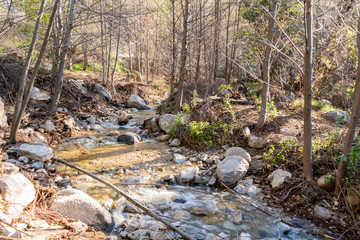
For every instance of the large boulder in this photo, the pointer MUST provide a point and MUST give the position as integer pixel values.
(151, 123)
(238, 151)
(137, 102)
(232, 169)
(129, 138)
(103, 92)
(335, 115)
(3, 118)
(18, 191)
(278, 177)
(167, 121)
(36, 151)
(73, 203)
(36, 94)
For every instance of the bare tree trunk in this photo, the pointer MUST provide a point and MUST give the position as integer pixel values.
(227, 44)
(173, 66)
(109, 54)
(58, 28)
(130, 55)
(307, 161)
(216, 38)
(266, 67)
(17, 121)
(102, 43)
(24, 73)
(199, 35)
(234, 44)
(179, 95)
(116, 59)
(60, 74)
(341, 171)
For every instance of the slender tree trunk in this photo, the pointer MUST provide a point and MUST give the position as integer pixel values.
(341, 171)
(307, 161)
(85, 60)
(173, 66)
(102, 43)
(179, 95)
(234, 44)
(266, 68)
(24, 73)
(30, 85)
(130, 55)
(227, 44)
(116, 59)
(58, 28)
(216, 38)
(60, 74)
(199, 35)
(109, 54)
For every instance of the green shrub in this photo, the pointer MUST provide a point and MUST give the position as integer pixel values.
(224, 86)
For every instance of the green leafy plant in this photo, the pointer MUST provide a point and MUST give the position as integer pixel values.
(281, 152)
(271, 108)
(224, 86)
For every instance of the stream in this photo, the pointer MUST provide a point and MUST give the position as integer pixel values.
(201, 211)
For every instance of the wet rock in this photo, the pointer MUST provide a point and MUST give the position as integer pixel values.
(232, 169)
(278, 177)
(103, 92)
(37, 165)
(96, 127)
(237, 217)
(129, 138)
(3, 118)
(137, 102)
(238, 151)
(91, 120)
(179, 158)
(256, 142)
(326, 182)
(9, 168)
(69, 122)
(175, 143)
(322, 212)
(202, 179)
(113, 133)
(212, 180)
(48, 126)
(182, 215)
(177, 150)
(18, 191)
(13, 161)
(79, 85)
(167, 121)
(35, 151)
(245, 236)
(189, 174)
(163, 138)
(123, 121)
(137, 178)
(247, 189)
(335, 115)
(76, 204)
(38, 95)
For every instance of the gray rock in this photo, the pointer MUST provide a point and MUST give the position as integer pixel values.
(137, 102)
(38, 95)
(182, 215)
(212, 180)
(3, 118)
(69, 122)
(326, 182)
(179, 158)
(325, 102)
(288, 132)
(256, 142)
(96, 127)
(48, 126)
(113, 133)
(5, 156)
(13, 161)
(123, 121)
(79, 85)
(167, 121)
(152, 124)
(247, 189)
(335, 115)
(322, 212)
(202, 179)
(137, 178)
(232, 169)
(238, 151)
(76, 204)
(175, 143)
(225, 93)
(91, 120)
(37, 165)
(245, 236)
(163, 138)
(203, 157)
(129, 138)
(177, 150)
(103, 92)
(34, 151)
(18, 191)
(278, 177)
(237, 217)
(189, 174)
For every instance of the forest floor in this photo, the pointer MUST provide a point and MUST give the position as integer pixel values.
(297, 197)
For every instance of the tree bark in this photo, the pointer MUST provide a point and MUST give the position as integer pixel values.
(307, 160)
(179, 95)
(266, 67)
(102, 43)
(173, 65)
(24, 73)
(60, 73)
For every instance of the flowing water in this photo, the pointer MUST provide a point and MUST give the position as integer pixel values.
(202, 212)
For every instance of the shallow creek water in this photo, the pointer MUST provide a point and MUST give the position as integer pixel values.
(202, 212)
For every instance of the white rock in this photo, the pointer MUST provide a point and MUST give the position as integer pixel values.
(203, 157)
(182, 215)
(48, 126)
(175, 143)
(35, 151)
(249, 190)
(167, 121)
(335, 115)
(178, 158)
(76, 204)
(232, 169)
(9, 168)
(189, 174)
(36, 94)
(69, 122)
(278, 177)
(322, 212)
(238, 151)
(18, 191)
(245, 236)
(103, 92)
(23, 159)
(256, 142)
(3, 118)
(287, 132)
(137, 102)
